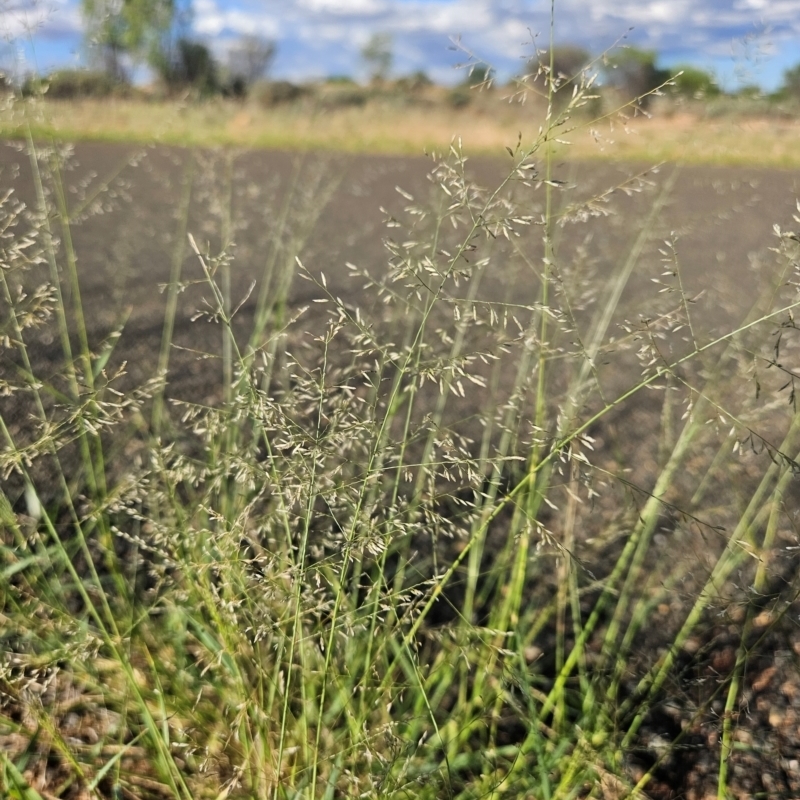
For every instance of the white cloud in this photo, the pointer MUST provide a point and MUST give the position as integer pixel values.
(317, 35)
(23, 19)
(345, 7)
(210, 20)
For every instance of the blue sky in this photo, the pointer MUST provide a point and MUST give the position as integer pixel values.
(741, 41)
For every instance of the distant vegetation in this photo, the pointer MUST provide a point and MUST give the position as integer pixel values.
(149, 32)
(124, 36)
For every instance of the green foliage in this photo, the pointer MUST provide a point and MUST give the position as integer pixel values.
(318, 583)
(478, 75)
(131, 27)
(275, 93)
(340, 79)
(415, 82)
(791, 82)
(693, 82)
(249, 60)
(568, 63)
(70, 84)
(459, 97)
(633, 72)
(750, 92)
(343, 96)
(408, 548)
(377, 56)
(193, 66)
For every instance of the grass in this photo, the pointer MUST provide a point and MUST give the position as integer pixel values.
(486, 127)
(393, 559)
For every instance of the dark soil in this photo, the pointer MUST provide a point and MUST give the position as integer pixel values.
(723, 220)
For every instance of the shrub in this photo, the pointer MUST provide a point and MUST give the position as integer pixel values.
(414, 82)
(693, 83)
(70, 84)
(344, 96)
(791, 82)
(249, 61)
(568, 61)
(274, 93)
(378, 56)
(633, 72)
(190, 66)
(478, 75)
(460, 97)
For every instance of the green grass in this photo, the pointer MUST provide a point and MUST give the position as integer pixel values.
(387, 563)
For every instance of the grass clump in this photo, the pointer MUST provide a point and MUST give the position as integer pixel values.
(398, 555)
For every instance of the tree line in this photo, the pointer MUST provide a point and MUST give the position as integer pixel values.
(121, 35)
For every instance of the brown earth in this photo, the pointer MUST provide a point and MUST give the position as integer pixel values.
(720, 218)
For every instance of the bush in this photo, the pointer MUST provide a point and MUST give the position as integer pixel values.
(70, 84)
(791, 83)
(568, 61)
(192, 66)
(693, 83)
(478, 75)
(414, 82)
(249, 61)
(275, 93)
(344, 96)
(460, 97)
(633, 72)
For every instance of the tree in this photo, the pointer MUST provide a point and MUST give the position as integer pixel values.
(191, 66)
(633, 72)
(249, 60)
(134, 28)
(791, 82)
(568, 63)
(377, 56)
(693, 82)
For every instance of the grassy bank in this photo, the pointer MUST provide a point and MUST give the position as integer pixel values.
(485, 128)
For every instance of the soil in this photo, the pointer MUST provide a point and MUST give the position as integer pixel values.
(721, 219)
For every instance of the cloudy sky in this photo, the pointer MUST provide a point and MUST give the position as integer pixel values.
(742, 41)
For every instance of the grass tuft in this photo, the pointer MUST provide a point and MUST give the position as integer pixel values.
(400, 554)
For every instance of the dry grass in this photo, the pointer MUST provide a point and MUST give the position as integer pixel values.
(487, 126)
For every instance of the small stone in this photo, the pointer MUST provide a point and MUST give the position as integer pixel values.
(776, 719)
(763, 680)
(90, 735)
(763, 619)
(789, 689)
(724, 660)
(691, 645)
(532, 653)
(737, 613)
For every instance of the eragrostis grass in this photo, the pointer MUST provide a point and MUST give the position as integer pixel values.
(394, 558)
